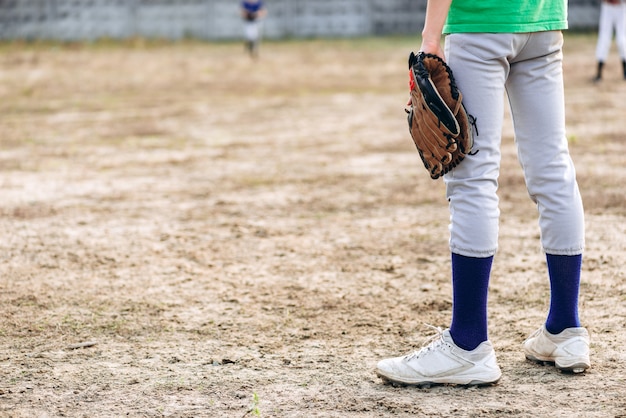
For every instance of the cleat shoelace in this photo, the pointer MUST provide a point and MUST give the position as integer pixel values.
(430, 344)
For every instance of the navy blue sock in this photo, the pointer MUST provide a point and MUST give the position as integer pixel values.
(564, 271)
(470, 287)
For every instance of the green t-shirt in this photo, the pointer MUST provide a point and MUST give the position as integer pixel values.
(508, 16)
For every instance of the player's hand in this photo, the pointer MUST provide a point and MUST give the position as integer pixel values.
(433, 46)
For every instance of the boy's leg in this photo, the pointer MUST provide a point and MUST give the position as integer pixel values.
(535, 90)
(536, 97)
(465, 357)
(481, 71)
(605, 33)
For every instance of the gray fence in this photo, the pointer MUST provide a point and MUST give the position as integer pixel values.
(219, 19)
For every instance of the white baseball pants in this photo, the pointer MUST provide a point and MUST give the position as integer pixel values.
(252, 30)
(612, 18)
(526, 68)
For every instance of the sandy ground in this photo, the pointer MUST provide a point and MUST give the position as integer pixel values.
(187, 232)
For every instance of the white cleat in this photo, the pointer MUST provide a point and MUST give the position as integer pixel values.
(442, 362)
(568, 350)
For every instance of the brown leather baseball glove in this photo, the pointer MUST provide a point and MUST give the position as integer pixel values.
(438, 122)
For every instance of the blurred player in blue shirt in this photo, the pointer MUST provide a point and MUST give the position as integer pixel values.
(252, 11)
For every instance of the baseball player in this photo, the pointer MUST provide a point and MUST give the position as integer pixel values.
(612, 17)
(252, 11)
(504, 49)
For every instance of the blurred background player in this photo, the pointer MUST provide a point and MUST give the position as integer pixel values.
(612, 17)
(252, 11)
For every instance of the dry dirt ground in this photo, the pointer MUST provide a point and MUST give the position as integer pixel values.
(187, 232)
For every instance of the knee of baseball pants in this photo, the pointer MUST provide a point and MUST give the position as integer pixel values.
(561, 216)
(474, 213)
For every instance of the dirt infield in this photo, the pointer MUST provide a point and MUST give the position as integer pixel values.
(187, 232)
